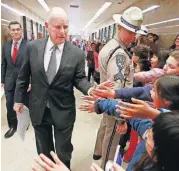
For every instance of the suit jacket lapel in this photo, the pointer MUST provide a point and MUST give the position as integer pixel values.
(41, 51)
(64, 59)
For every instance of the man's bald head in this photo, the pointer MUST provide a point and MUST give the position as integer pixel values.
(57, 25)
(55, 13)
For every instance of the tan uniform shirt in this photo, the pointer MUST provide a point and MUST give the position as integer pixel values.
(119, 68)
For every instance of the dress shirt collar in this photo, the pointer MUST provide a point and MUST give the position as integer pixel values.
(18, 42)
(50, 45)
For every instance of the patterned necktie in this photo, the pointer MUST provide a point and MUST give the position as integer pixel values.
(51, 71)
(15, 51)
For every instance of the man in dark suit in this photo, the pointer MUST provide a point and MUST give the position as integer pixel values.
(55, 67)
(12, 59)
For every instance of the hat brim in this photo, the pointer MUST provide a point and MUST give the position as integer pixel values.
(117, 19)
(143, 30)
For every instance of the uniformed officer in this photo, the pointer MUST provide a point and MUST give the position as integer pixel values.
(115, 65)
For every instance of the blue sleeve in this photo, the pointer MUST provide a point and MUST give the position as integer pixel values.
(142, 93)
(107, 106)
(140, 125)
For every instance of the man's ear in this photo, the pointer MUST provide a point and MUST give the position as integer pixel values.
(46, 25)
(119, 27)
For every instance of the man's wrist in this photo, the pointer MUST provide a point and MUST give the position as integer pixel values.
(113, 93)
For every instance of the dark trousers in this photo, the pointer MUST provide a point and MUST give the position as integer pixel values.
(90, 73)
(11, 114)
(44, 139)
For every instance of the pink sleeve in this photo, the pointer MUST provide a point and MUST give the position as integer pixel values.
(148, 76)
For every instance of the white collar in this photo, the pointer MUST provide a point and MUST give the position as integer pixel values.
(50, 45)
(18, 42)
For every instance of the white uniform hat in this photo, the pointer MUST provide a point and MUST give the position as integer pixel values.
(131, 19)
(143, 30)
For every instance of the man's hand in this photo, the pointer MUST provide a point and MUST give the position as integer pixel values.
(122, 129)
(18, 107)
(49, 165)
(104, 92)
(2, 85)
(88, 107)
(29, 88)
(108, 84)
(90, 98)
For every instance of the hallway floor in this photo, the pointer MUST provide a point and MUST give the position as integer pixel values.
(19, 156)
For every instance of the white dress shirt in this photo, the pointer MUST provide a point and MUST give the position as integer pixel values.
(18, 45)
(48, 52)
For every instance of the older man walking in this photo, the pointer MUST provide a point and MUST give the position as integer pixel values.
(55, 67)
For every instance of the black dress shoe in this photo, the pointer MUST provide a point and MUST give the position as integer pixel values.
(96, 157)
(10, 133)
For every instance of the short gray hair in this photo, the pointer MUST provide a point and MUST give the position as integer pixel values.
(55, 13)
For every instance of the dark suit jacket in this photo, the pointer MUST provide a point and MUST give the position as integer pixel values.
(60, 93)
(9, 70)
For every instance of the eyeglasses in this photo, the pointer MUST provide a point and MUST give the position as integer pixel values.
(18, 29)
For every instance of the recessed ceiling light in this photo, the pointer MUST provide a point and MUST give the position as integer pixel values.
(150, 8)
(164, 27)
(162, 22)
(5, 20)
(44, 5)
(12, 9)
(4, 24)
(98, 13)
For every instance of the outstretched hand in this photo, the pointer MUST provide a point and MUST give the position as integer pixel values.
(48, 164)
(89, 106)
(140, 109)
(104, 92)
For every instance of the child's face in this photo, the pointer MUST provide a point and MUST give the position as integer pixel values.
(171, 66)
(154, 62)
(157, 102)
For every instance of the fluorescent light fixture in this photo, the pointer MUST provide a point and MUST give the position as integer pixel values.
(12, 9)
(176, 33)
(4, 24)
(98, 13)
(150, 8)
(164, 27)
(44, 5)
(161, 22)
(5, 20)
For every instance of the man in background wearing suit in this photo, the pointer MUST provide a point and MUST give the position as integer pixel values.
(12, 59)
(55, 67)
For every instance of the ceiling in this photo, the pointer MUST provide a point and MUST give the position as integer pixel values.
(79, 17)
